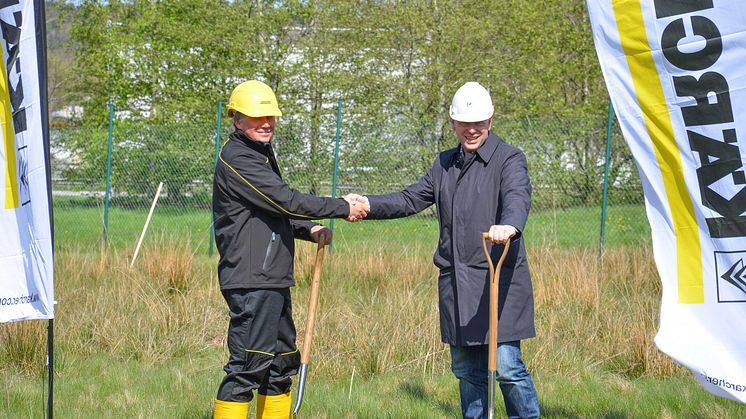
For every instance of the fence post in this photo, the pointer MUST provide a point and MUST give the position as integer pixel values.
(217, 155)
(604, 200)
(107, 195)
(336, 163)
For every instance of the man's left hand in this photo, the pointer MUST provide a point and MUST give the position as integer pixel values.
(499, 234)
(318, 231)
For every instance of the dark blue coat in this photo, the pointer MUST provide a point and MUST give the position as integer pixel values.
(488, 187)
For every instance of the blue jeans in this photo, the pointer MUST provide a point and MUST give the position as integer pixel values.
(469, 365)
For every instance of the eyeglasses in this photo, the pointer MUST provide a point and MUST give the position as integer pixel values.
(480, 125)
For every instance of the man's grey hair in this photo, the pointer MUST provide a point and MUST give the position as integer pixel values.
(237, 117)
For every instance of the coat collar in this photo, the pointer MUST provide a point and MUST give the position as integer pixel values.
(263, 148)
(487, 149)
(484, 152)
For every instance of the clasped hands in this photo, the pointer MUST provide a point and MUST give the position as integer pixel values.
(359, 207)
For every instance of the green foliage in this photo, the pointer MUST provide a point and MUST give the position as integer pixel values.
(158, 60)
(388, 58)
(395, 64)
(60, 72)
(143, 154)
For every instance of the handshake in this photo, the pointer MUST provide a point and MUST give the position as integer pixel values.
(359, 207)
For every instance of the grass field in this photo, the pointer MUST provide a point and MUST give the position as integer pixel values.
(149, 341)
(104, 386)
(77, 227)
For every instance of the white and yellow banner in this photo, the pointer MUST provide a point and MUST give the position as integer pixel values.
(676, 74)
(26, 274)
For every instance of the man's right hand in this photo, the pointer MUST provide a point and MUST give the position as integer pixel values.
(359, 207)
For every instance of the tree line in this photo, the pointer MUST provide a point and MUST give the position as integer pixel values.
(394, 64)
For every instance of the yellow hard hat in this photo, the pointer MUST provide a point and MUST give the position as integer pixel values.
(255, 99)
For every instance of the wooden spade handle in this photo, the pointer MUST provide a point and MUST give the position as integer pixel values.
(494, 292)
(313, 300)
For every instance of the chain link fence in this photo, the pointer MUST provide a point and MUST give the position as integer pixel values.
(182, 157)
(566, 163)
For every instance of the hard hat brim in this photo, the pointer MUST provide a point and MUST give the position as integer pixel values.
(471, 117)
(270, 112)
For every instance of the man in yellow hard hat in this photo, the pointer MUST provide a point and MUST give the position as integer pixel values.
(257, 218)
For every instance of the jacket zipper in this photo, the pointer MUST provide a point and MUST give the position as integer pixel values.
(269, 251)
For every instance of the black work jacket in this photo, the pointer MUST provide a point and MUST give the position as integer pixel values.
(257, 216)
(490, 186)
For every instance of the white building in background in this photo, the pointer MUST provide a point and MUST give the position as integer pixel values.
(68, 112)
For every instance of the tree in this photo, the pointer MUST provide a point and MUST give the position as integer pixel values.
(395, 64)
(59, 62)
(162, 61)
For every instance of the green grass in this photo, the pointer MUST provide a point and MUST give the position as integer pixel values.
(396, 235)
(107, 386)
(137, 342)
(573, 227)
(625, 225)
(83, 227)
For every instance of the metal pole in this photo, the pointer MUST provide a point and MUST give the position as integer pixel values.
(50, 367)
(604, 201)
(336, 163)
(217, 155)
(41, 48)
(108, 175)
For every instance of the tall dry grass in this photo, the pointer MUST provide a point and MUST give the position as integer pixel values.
(378, 312)
(167, 305)
(597, 312)
(377, 309)
(23, 346)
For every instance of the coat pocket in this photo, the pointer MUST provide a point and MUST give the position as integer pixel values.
(447, 306)
(271, 246)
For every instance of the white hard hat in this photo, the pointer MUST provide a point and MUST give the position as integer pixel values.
(471, 103)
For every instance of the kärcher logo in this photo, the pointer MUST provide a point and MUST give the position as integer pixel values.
(735, 275)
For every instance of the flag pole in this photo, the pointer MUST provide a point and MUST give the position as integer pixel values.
(336, 163)
(607, 161)
(50, 367)
(41, 55)
(217, 156)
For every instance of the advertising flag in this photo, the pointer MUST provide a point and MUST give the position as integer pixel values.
(26, 264)
(676, 76)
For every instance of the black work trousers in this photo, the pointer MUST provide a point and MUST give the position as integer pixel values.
(261, 341)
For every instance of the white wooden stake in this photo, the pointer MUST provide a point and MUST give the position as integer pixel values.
(147, 221)
(349, 394)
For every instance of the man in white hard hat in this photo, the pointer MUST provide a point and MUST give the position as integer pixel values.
(257, 218)
(480, 185)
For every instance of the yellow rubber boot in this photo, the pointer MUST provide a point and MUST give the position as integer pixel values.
(273, 407)
(231, 410)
